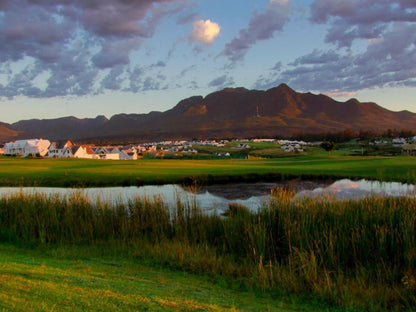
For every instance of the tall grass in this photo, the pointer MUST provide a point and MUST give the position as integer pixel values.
(359, 253)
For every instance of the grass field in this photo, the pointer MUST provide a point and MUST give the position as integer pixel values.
(74, 256)
(349, 255)
(62, 280)
(82, 172)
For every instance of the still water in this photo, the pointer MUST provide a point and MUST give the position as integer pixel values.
(216, 198)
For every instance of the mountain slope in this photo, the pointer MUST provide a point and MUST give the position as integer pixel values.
(6, 132)
(232, 112)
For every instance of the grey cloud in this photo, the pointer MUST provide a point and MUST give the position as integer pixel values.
(32, 32)
(186, 70)
(277, 66)
(139, 82)
(262, 26)
(360, 19)
(113, 81)
(62, 38)
(363, 11)
(390, 61)
(159, 64)
(317, 57)
(115, 52)
(135, 79)
(150, 84)
(386, 32)
(343, 33)
(73, 74)
(222, 81)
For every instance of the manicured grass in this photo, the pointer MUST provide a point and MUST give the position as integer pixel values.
(58, 279)
(82, 172)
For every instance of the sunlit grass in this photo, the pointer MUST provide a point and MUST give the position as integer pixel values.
(357, 253)
(36, 280)
(82, 172)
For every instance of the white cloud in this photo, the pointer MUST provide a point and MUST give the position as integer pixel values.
(205, 31)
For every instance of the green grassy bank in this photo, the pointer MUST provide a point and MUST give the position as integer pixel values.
(354, 255)
(83, 173)
(81, 279)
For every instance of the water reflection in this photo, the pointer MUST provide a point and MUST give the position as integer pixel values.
(217, 198)
(347, 189)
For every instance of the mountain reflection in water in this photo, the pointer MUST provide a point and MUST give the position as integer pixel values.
(216, 198)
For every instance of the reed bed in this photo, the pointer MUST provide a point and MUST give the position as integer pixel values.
(356, 253)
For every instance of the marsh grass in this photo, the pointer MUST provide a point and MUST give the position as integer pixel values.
(356, 253)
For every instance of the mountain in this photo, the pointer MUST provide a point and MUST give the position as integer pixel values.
(6, 132)
(232, 112)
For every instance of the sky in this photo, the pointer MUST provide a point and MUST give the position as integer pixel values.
(103, 57)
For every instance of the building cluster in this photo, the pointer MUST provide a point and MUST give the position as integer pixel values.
(292, 146)
(47, 149)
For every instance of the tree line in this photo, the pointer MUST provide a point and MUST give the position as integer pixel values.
(348, 134)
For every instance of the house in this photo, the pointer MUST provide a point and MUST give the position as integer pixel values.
(109, 152)
(241, 146)
(1, 149)
(55, 150)
(24, 148)
(84, 151)
(399, 142)
(130, 153)
(60, 150)
(68, 151)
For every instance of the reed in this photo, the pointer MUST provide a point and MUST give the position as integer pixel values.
(356, 253)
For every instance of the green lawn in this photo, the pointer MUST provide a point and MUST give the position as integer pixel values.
(83, 172)
(57, 279)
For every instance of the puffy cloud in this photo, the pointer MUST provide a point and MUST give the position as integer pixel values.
(390, 61)
(115, 52)
(262, 26)
(360, 19)
(380, 41)
(72, 41)
(205, 31)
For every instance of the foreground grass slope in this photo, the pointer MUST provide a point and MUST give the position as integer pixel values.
(82, 172)
(65, 279)
(356, 255)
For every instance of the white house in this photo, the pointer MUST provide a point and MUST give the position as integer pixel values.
(32, 147)
(84, 151)
(399, 141)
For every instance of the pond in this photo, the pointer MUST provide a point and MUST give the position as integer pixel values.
(216, 198)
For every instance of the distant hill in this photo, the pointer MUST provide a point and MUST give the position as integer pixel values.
(6, 132)
(232, 112)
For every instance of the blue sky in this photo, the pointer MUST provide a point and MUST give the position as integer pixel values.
(103, 57)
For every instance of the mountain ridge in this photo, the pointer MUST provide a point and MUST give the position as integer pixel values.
(231, 112)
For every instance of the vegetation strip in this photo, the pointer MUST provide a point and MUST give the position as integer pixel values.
(352, 254)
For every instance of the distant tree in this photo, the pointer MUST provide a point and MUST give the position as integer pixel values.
(407, 133)
(367, 134)
(328, 146)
